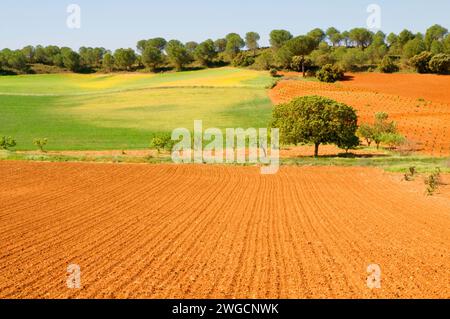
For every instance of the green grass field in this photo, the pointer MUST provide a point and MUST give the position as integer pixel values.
(123, 111)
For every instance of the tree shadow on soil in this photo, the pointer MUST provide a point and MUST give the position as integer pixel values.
(347, 78)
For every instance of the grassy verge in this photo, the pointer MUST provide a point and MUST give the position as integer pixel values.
(396, 164)
(390, 163)
(45, 157)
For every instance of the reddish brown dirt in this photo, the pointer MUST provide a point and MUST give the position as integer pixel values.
(167, 231)
(420, 104)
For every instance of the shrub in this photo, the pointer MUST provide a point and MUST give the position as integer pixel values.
(432, 182)
(162, 142)
(330, 74)
(297, 63)
(273, 84)
(392, 139)
(273, 72)
(264, 61)
(7, 142)
(382, 127)
(409, 176)
(421, 62)
(40, 143)
(388, 65)
(440, 64)
(242, 59)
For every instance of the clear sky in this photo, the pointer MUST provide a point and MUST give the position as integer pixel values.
(120, 23)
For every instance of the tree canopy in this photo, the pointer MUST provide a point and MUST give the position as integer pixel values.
(177, 54)
(316, 120)
(279, 37)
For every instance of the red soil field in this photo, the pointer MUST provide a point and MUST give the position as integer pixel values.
(420, 104)
(168, 231)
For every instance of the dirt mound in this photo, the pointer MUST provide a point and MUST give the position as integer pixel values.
(167, 231)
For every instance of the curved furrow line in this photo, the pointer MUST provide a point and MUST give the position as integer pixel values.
(233, 253)
(320, 252)
(107, 210)
(336, 260)
(169, 243)
(136, 235)
(295, 262)
(195, 272)
(256, 215)
(206, 222)
(81, 219)
(381, 253)
(37, 251)
(334, 217)
(296, 227)
(211, 253)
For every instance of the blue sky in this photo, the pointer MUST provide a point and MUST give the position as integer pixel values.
(120, 23)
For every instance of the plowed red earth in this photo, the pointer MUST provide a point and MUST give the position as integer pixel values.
(420, 104)
(168, 231)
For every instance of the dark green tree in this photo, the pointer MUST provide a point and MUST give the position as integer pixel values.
(108, 62)
(317, 120)
(435, 33)
(124, 58)
(301, 46)
(220, 45)
(405, 36)
(234, 44)
(151, 57)
(334, 36)
(191, 46)
(361, 37)
(178, 54)
(279, 37)
(251, 41)
(205, 52)
(317, 35)
(70, 59)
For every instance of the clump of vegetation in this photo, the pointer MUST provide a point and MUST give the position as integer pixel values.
(388, 65)
(358, 49)
(393, 140)
(298, 62)
(7, 142)
(409, 176)
(366, 132)
(273, 84)
(40, 143)
(242, 59)
(433, 181)
(440, 64)
(316, 120)
(162, 142)
(273, 72)
(330, 73)
(421, 62)
(382, 131)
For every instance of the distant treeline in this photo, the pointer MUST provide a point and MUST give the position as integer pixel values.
(355, 50)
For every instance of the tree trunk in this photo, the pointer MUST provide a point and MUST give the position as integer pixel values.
(303, 67)
(316, 149)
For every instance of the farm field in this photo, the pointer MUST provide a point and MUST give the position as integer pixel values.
(420, 104)
(168, 231)
(123, 111)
